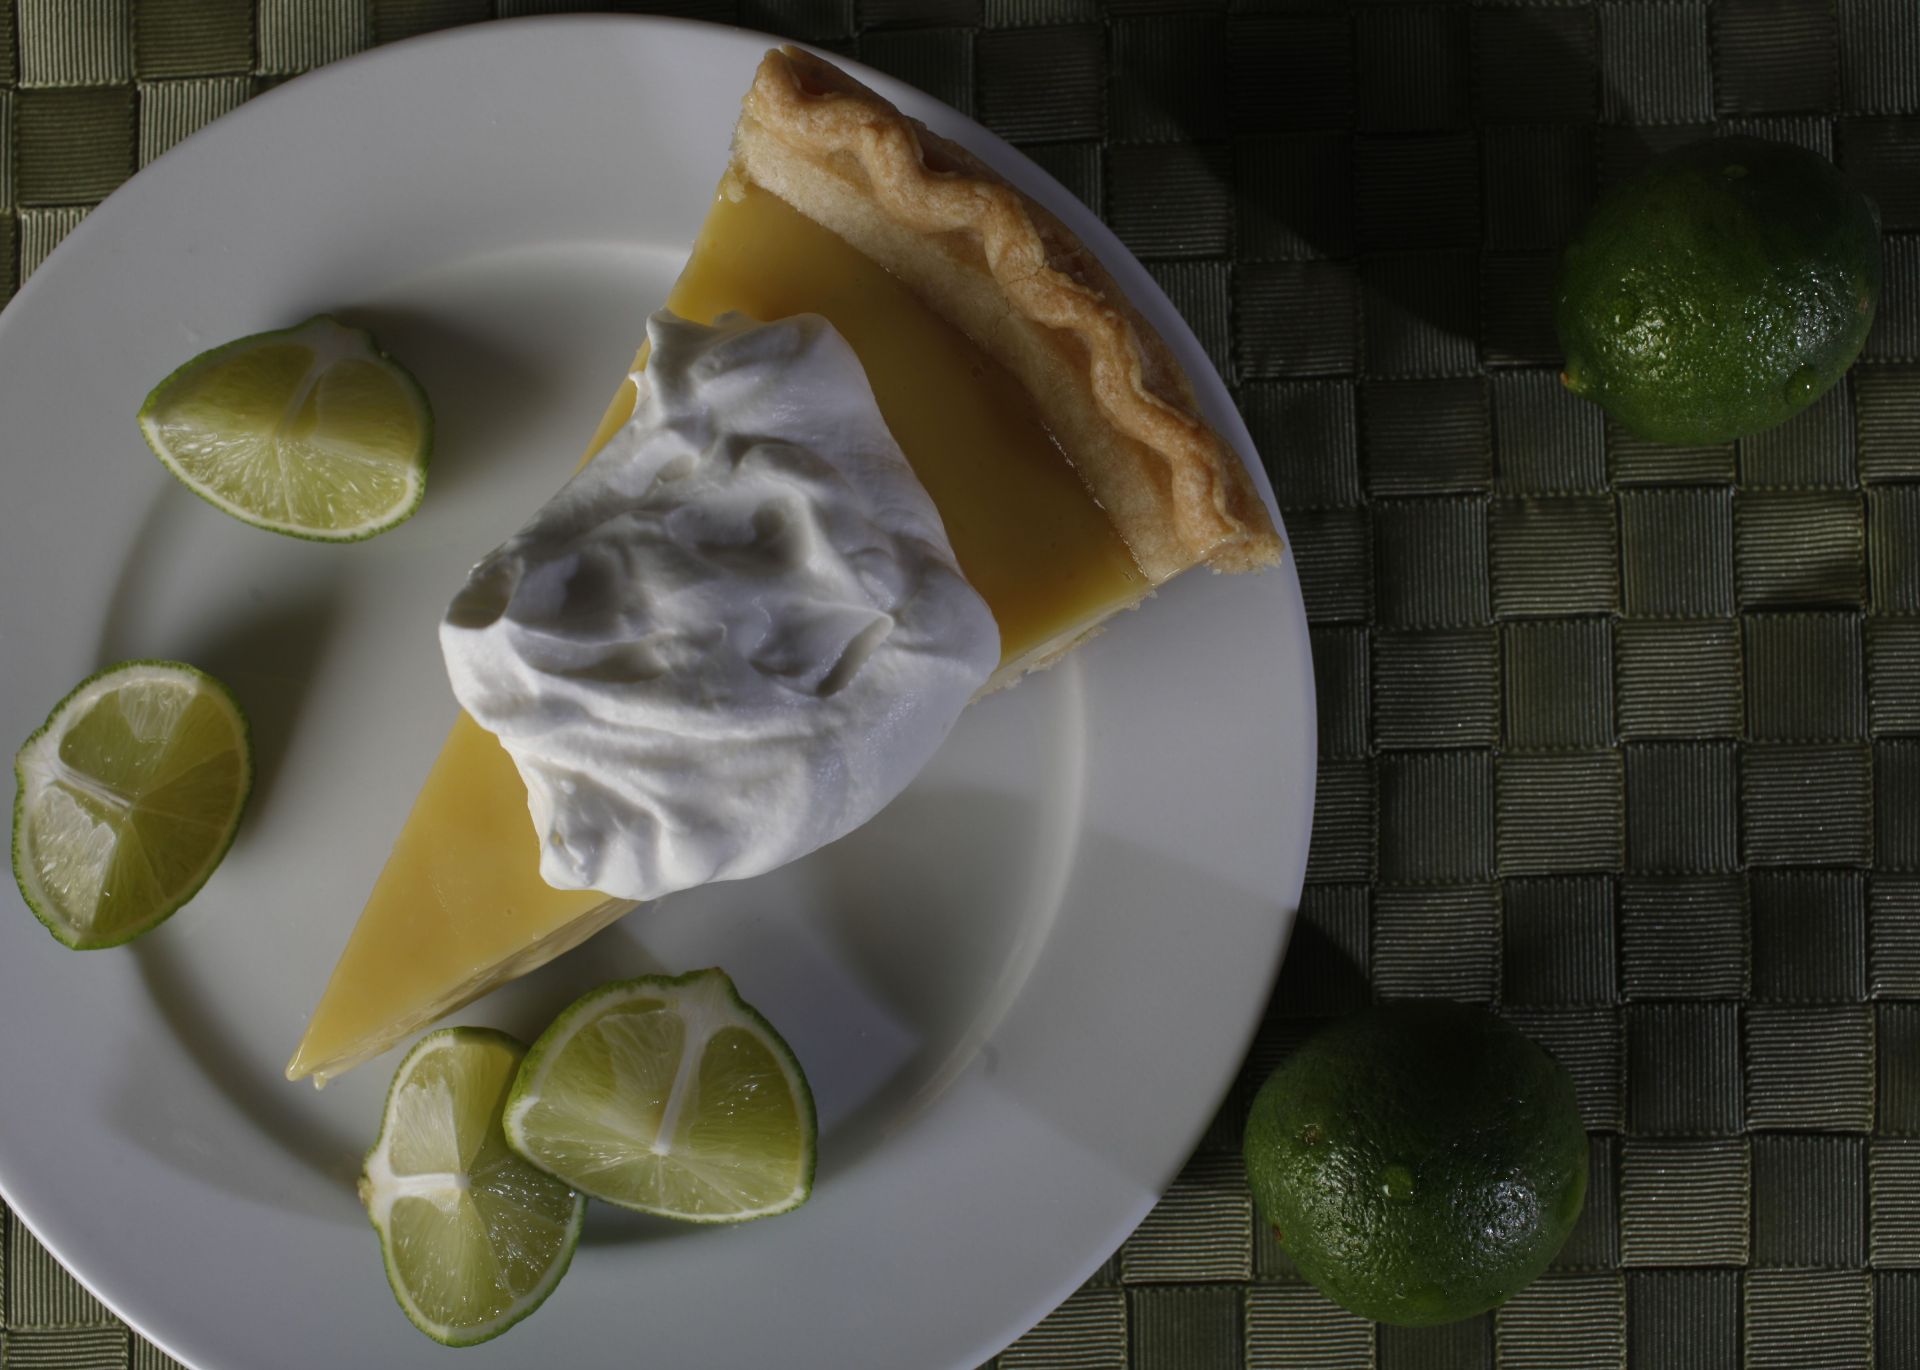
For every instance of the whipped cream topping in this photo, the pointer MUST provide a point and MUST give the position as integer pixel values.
(736, 634)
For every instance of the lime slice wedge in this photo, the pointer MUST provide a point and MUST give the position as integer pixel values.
(474, 1237)
(669, 1096)
(127, 797)
(310, 431)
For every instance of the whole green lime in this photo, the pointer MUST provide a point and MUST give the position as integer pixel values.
(1419, 1161)
(1720, 291)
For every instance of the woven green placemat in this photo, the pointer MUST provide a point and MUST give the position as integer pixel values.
(1623, 740)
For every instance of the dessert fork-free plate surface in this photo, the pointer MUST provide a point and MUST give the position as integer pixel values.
(1020, 993)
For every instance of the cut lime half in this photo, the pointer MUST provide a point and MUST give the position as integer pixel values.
(126, 799)
(310, 431)
(669, 1096)
(474, 1237)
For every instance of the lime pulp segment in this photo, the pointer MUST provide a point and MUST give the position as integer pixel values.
(475, 1239)
(669, 1096)
(127, 798)
(310, 431)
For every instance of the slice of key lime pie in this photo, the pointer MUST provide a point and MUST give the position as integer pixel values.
(1058, 473)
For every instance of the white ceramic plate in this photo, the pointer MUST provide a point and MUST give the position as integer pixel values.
(1020, 993)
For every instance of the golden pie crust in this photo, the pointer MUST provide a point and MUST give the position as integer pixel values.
(1011, 276)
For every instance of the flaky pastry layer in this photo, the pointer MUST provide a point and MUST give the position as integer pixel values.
(1016, 280)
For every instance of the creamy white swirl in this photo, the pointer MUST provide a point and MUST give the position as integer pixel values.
(736, 634)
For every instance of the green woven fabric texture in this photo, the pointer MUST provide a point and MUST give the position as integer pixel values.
(1622, 740)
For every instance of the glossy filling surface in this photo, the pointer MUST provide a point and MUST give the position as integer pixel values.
(1027, 532)
(458, 908)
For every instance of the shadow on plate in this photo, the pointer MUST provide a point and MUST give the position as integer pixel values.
(269, 658)
(932, 918)
(904, 976)
(486, 396)
(1151, 909)
(943, 955)
(267, 1103)
(953, 990)
(160, 528)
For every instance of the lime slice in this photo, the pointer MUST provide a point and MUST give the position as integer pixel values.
(127, 798)
(474, 1237)
(311, 431)
(669, 1096)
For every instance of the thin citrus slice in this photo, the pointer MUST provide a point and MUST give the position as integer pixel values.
(311, 431)
(474, 1237)
(669, 1096)
(127, 797)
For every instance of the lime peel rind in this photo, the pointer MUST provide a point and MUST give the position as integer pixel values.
(1719, 292)
(331, 342)
(1420, 1161)
(716, 1007)
(37, 765)
(381, 1188)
